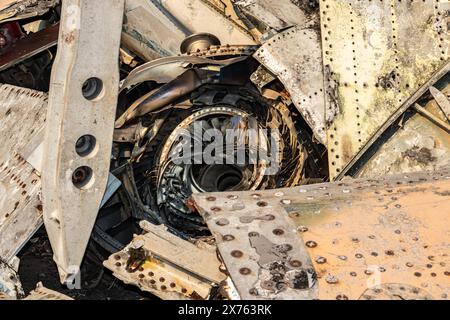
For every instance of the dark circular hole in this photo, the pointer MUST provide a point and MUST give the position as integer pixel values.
(92, 88)
(82, 176)
(85, 145)
(217, 177)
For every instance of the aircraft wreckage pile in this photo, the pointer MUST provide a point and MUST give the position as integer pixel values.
(247, 149)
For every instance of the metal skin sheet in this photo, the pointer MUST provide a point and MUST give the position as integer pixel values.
(22, 113)
(259, 247)
(82, 102)
(295, 57)
(280, 14)
(162, 37)
(376, 55)
(199, 16)
(378, 234)
(417, 145)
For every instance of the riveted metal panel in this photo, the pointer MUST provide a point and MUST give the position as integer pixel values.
(376, 55)
(367, 238)
(22, 114)
(295, 57)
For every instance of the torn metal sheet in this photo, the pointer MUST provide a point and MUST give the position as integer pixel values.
(376, 56)
(295, 56)
(22, 113)
(360, 233)
(10, 286)
(43, 293)
(167, 266)
(11, 10)
(259, 246)
(79, 128)
(281, 14)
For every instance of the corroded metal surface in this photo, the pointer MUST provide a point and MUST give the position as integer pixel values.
(167, 266)
(259, 246)
(375, 63)
(301, 72)
(417, 145)
(360, 234)
(22, 113)
(281, 14)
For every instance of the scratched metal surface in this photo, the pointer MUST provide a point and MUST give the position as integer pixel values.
(22, 114)
(361, 234)
(377, 54)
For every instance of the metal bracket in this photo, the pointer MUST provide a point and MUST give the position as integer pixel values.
(80, 122)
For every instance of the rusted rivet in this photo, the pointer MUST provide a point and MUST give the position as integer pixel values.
(343, 258)
(278, 232)
(253, 234)
(117, 257)
(232, 197)
(321, 260)
(417, 274)
(409, 265)
(228, 237)
(222, 222)
(211, 198)
(151, 274)
(302, 229)
(353, 274)
(163, 288)
(295, 263)
(331, 279)
(236, 254)
(268, 285)
(341, 297)
(368, 272)
(183, 290)
(311, 244)
(374, 254)
(381, 269)
(261, 204)
(397, 231)
(215, 209)
(118, 264)
(152, 281)
(285, 201)
(141, 276)
(359, 256)
(253, 292)
(245, 271)
(256, 196)
(173, 285)
(389, 252)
